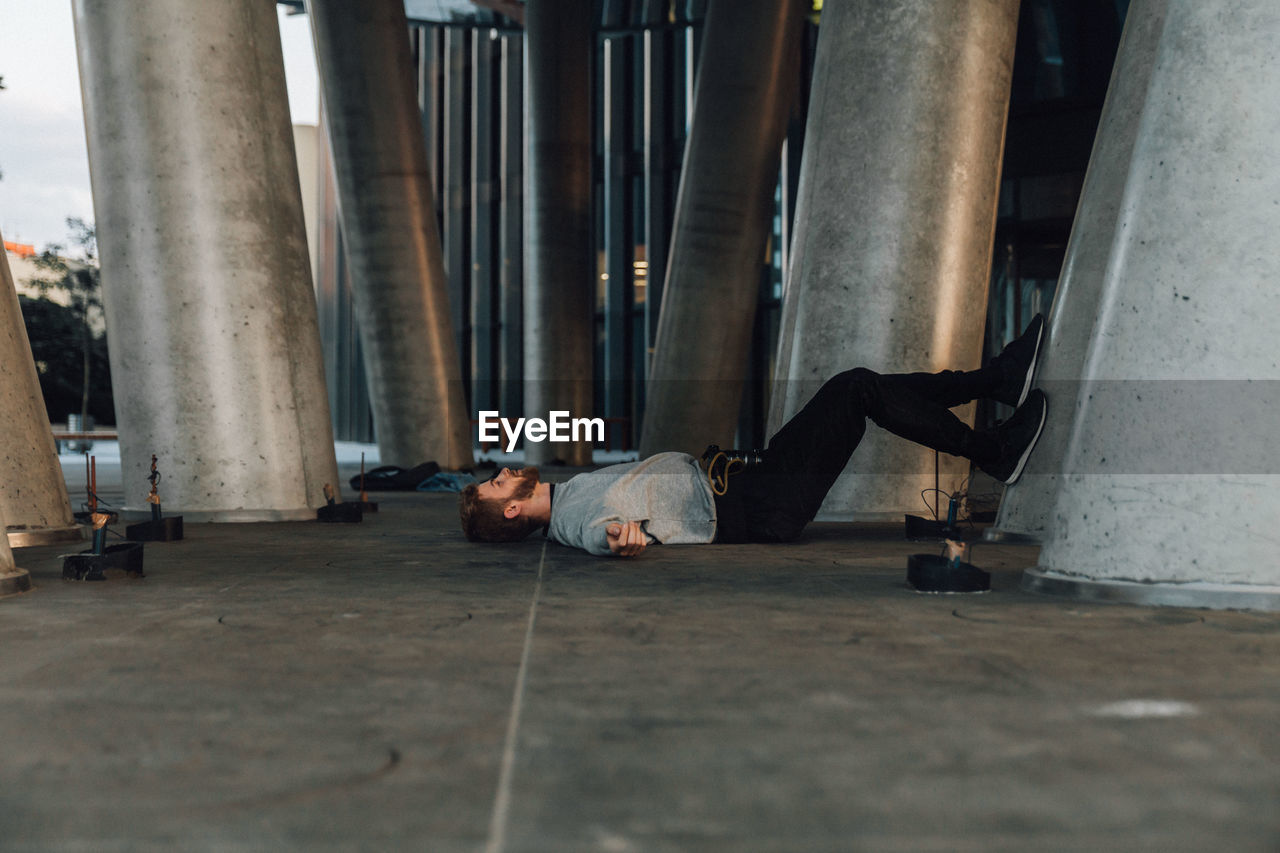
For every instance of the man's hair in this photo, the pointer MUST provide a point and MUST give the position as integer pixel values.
(483, 520)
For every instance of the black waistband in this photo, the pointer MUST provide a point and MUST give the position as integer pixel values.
(731, 518)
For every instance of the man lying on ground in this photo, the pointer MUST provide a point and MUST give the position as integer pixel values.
(772, 494)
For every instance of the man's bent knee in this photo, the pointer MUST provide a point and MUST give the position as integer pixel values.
(859, 381)
(854, 376)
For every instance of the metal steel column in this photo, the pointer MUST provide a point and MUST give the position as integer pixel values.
(484, 297)
(618, 253)
(1169, 483)
(215, 351)
(392, 237)
(559, 291)
(746, 81)
(455, 160)
(33, 494)
(691, 48)
(657, 158)
(429, 76)
(511, 227)
(637, 278)
(895, 219)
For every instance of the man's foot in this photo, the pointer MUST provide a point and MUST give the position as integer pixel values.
(1016, 364)
(1017, 437)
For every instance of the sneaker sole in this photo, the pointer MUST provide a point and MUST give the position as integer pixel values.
(1031, 368)
(1031, 445)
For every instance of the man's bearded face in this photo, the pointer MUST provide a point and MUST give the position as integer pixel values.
(526, 480)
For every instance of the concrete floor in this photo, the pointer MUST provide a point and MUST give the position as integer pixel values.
(389, 686)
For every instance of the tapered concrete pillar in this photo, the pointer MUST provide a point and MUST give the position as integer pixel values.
(1169, 477)
(895, 218)
(747, 80)
(387, 207)
(1027, 506)
(560, 293)
(12, 578)
(211, 317)
(33, 495)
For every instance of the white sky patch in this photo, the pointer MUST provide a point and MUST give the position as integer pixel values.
(1141, 709)
(43, 157)
(300, 67)
(42, 148)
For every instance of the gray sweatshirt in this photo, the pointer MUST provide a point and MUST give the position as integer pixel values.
(668, 492)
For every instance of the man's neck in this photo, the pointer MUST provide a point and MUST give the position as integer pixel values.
(539, 506)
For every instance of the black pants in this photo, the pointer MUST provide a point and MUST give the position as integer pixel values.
(774, 500)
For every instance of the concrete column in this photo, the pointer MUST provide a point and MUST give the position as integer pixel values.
(560, 281)
(215, 352)
(895, 219)
(387, 207)
(747, 81)
(33, 495)
(1169, 479)
(1027, 506)
(12, 578)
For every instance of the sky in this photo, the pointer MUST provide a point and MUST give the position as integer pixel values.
(43, 159)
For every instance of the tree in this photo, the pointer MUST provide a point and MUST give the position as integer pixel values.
(55, 334)
(79, 278)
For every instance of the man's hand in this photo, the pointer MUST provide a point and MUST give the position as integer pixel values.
(626, 539)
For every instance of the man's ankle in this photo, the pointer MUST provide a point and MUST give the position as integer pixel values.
(982, 447)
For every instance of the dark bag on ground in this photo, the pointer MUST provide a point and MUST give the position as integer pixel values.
(393, 478)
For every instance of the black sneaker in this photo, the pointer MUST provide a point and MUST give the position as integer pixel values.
(1017, 437)
(1017, 364)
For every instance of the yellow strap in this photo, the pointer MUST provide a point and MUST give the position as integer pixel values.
(720, 483)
